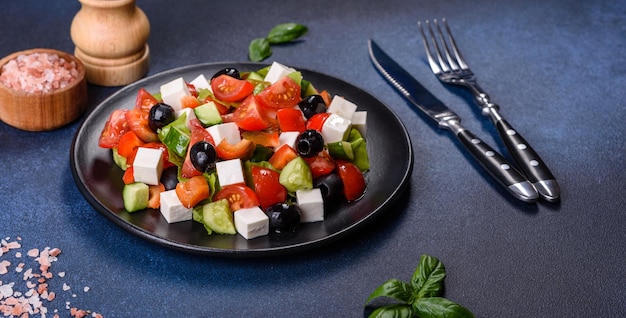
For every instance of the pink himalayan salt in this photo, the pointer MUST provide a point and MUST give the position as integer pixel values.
(38, 73)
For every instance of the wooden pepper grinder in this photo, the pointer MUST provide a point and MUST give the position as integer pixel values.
(110, 38)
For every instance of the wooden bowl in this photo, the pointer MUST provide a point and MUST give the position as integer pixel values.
(43, 110)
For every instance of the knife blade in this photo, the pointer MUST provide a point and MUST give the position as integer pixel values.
(420, 98)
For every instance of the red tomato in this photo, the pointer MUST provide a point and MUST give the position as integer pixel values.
(352, 179)
(154, 197)
(192, 89)
(198, 133)
(317, 121)
(239, 197)
(267, 187)
(229, 89)
(189, 102)
(321, 165)
(144, 100)
(263, 138)
(129, 176)
(128, 144)
(242, 150)
(113, 129)
(138, 122)
(193, 190)
(291, 119)
(282, 156)
(249, 115)
(285, 93)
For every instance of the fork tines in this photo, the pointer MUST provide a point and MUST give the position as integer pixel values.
(453, 61)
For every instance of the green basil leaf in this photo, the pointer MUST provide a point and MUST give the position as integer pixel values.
(393, 311)
(259, 49)
(286, 32)
(435, 307)
(427, 281)
(393, 288)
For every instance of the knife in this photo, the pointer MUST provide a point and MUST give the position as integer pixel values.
(419, 97)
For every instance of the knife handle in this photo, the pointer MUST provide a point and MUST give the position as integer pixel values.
(497, 166)
(529, 161)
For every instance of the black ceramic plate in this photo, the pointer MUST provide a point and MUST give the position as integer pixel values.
(100, 180)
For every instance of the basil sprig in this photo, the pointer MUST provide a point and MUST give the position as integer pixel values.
(260, 49)
(421, 297)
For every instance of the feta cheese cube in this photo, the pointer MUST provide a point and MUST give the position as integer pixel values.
(287, 138)
(201, 82)
(335, 128)
(148, 166)
(251, 222)
(172, 209)
(359, 120)
(229, 172)
(311, 204)
(172, 92)
(189, 115)
(342, 107)
(228, 131)
(277, 71)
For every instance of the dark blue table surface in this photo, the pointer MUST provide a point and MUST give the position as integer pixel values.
(556, 67)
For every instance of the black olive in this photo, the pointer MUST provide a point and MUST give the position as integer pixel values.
(160, 115)
(309, 143)
(283, 217)
(203, 156)
(169, 177)
(230, 71)
(312, 105)
(331, 187)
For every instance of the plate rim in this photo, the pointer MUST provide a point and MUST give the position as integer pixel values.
(196, 249)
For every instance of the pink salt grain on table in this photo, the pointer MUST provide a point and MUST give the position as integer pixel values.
(38, 73)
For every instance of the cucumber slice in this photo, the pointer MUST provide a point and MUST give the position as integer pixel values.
(208, 114)
(296, 175)
(218, 217)
(135, 196)
(119, 160)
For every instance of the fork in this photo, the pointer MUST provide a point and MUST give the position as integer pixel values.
(454, 70)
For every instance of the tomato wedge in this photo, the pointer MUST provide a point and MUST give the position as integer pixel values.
(138, 122)
(285, 93)
(267, 186)
(189, 102)
(242, 150)
(282, 156)
(128, 144)
(317, 121)
(352, 178)
(291, 119)
(145, 100)
(193, 190)
(321, 165)
(115, 126)
(229, 89)
(129, 176)
(249, 115)
(239, 196)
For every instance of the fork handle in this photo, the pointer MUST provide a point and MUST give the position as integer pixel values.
(494, 163)
(528, 161)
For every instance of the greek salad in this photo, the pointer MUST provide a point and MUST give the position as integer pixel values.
(248, 153)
